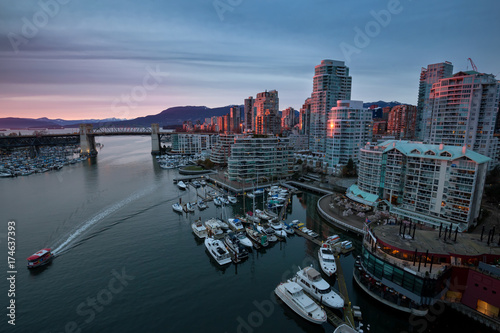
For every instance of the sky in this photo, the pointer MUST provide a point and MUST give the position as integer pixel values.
(92, 59)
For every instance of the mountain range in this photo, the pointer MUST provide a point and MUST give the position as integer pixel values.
(170, 117)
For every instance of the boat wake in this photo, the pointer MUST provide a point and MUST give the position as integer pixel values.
(82, 228)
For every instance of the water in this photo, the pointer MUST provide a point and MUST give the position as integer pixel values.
(126, 262)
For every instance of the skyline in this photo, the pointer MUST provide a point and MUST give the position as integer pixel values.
(71, 60)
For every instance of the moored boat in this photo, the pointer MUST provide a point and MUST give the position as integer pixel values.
(40, 258)
(232, 199)
(257, 236)
(292, 294)
(177, 207)
(201, 205)
(213, 227)
(235, 224)
(327, 260)
(199, 229)
(218, 251)
(181, 185)
(235, 246)
(312, 282)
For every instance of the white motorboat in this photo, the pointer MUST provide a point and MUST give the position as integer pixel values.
(235, 224)
(188, 207)
(292, 294)
(312, 282)
(327, 260)
(218, 251)
(199, 229)
(288, 228)
(203, 183)
(181, 185)
(232, 199)
(213, 227)
(177, 207)
(217, 202)
(235, 246)
(258, 192)
(244, 240)
(278, 228)
(251, 195)
(269, 232)
(201, 205)
(260, 214)
(224, 201)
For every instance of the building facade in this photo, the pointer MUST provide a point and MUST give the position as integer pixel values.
(258, 157)
(235, 119)
(249, 113)
(349, 129)
(305, 117)
(331, 83)
(221, 149)
(190, 144)
(428, 76)
(430, 184)
(402, 122)
(288, 120)
(464, 110)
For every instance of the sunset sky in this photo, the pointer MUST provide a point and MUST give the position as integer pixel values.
(124, 59)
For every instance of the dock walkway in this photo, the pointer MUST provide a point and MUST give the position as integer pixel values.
(348, 312)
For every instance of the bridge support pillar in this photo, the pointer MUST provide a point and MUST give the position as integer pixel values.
(87, 140)
(155, 139)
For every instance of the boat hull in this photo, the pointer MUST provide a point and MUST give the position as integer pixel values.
(281, 294)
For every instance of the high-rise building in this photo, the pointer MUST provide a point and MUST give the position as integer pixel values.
(249, 115)
(305, 117)
(235, 119)
(221, 148)
(349, 129)
(267, 119)
(402, 121)
(428, 76)
(464, 108)
(270, 157)
(436, 185)
(288, 118)
(331, 83)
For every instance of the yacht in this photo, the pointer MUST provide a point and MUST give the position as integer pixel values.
(278, 228)
(288, 228)
(312, 282)
(258, 192)
(177, 207)
(244, 240)
(218, 251)
(232, 199)
(40, 258)
(213, 227)
(260, 214)
(181, 185)
(217, 202)
(236, 224)
(257, 236)
(292, 294)
(251, 217)
(269, 232)
(199, 229)
(327, 260)
(235, 246)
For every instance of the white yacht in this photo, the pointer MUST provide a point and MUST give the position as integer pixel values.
(199, 229)
(217, 202)
(177, 207)
(292, 295)
(327, 260)
(213, 227)
(235, 224)
(232, 199)
(261, 215)
(312, 282)
(218, 251)
(224, 200)
(278, 228)
(269, 232)
(244, 240)
(181, 185)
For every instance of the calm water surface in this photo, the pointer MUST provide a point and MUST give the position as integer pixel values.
(126, 262)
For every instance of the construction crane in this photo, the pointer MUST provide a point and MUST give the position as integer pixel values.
(474, 67)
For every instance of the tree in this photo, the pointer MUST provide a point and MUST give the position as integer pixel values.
(349, 170)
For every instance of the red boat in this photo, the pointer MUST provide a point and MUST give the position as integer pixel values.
(42, 257)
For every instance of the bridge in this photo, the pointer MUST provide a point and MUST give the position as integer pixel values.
(85, 137)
